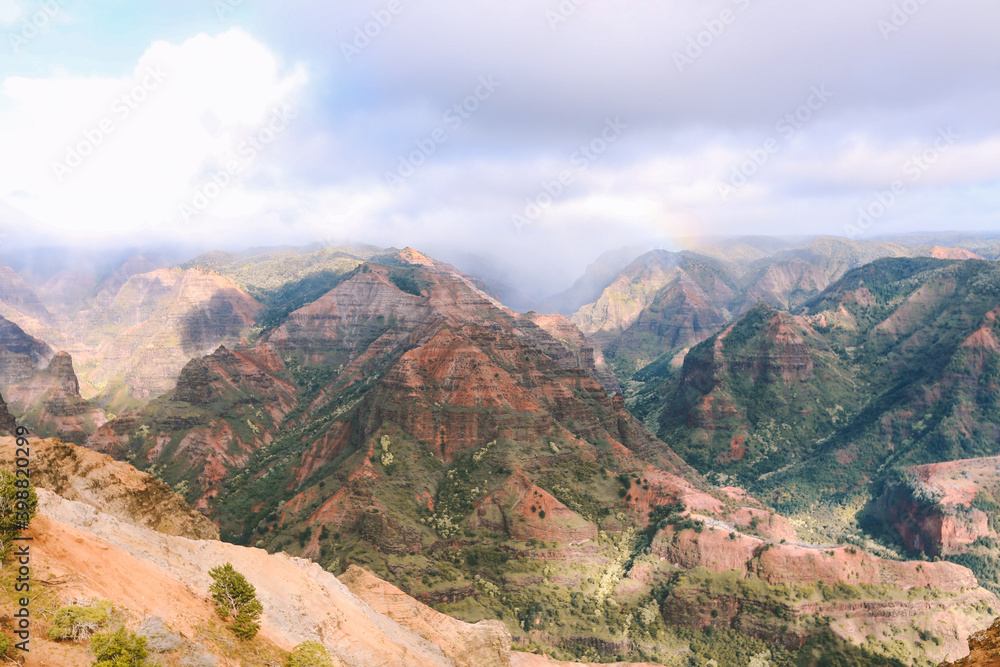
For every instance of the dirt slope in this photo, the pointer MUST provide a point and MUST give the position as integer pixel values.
(149, 573)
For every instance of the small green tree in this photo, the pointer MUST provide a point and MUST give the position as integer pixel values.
(18, 506)
(77, 623)
(120, 648)
(236, 598)
(310, 654)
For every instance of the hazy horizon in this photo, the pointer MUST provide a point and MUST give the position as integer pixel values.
(538, 134)
(41, 262)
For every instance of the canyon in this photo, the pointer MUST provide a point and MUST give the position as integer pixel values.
(595, 485)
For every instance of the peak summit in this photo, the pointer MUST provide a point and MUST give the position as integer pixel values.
(412, 256)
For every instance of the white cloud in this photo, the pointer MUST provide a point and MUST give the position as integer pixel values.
(85, 155)
(10, 11)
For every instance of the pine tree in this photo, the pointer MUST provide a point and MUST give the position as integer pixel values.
(236, 598)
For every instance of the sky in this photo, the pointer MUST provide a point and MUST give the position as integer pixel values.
(531, 134)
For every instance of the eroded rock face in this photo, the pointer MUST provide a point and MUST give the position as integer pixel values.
(254, 400)
(7, 421)
(712, 415)
(930, 506)
(21, 355)
(524, 511)
(797, 565)
(984, 649)
(577, 351)
(79, 474)
(661, 302)
(159, 321)
(796, 570)
(49, 403)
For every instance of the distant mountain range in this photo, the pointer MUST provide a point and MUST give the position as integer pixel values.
(717, 453)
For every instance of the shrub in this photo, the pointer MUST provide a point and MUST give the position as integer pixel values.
(310, 654)
(236, 597)
(120, 648)
(159, 638)
(6, 644)
(14, 519)
(76, 623)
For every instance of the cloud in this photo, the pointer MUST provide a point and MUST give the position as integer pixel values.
(703, 86)
(10, 11)
(107, 156)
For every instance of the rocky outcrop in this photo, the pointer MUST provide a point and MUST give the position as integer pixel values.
(116, 488)
(7, 421)
(785, 284)
(984, 649)
(224, 407)
(938, 624)
(776, 591)
(661, 303)
(722, 549)
(524, 511)
(495, 385)
(576, 351)
(51, 405)
(218, 376)
(21, 355)
(931, 506)
(113, 437)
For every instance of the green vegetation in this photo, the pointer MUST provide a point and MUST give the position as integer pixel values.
(264, 272)
(18, 506)
(729, 648)
(236, 598)
(754, 408)
(281, 302)
(310, 654)
(774, 611)
(408, 280)
(76, 623)
(120, 648)
(882, 381)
